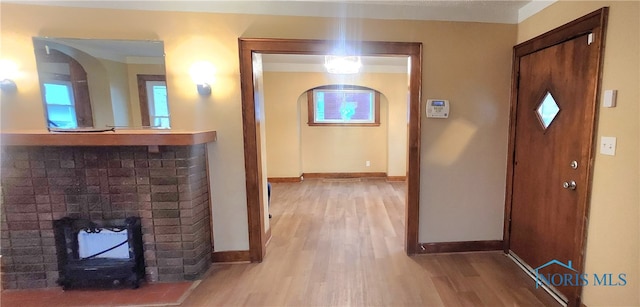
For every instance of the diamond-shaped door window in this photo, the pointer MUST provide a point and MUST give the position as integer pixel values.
(547, 110)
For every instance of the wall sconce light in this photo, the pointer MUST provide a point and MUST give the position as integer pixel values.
(8, 86)
(8, 71)
(203, 75)
(204, 89)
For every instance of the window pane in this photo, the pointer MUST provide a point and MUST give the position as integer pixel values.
(61, 111)
(62, 116)
(320, 106)
(161, 122)
(57, 94)
(344, 106)
(160, 100)
(158, 104)
(547, 110)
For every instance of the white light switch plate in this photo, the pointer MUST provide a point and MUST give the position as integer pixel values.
(609, 98)
(608, 145)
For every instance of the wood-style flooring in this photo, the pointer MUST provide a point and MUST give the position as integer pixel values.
(340, 243)
(154, 294)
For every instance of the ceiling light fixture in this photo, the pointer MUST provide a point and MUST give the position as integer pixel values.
(342, 64)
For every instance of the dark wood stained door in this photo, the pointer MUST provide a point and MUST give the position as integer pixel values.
(547, 214)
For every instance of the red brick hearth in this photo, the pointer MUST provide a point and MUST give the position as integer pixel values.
(168, 190)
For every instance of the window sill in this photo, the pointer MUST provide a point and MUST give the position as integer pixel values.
(344, 124)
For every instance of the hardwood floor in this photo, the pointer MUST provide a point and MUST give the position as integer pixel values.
(340, 243)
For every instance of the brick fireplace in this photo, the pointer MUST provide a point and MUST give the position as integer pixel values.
(167, 189)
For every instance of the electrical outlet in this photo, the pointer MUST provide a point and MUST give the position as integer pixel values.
(608, 145)
(367, 163)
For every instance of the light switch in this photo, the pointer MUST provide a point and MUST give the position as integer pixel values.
(608, 145)
(610, 98)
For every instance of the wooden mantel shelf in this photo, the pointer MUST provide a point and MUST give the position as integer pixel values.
(110, 138)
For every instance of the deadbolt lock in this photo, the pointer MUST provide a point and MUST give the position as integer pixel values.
(574, 164)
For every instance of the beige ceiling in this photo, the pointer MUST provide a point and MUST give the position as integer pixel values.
(505, 11)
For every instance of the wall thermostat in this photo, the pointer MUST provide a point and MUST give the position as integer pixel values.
(437, 108)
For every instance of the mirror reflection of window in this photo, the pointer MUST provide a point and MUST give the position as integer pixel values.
(158, 107)
(58, 97)
(154, 106)
(96, 78)
(65, 92)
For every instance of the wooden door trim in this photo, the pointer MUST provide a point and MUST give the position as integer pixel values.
(230, 256)
(81, 95)
(460, 246)
(595, 23)
(253, 169)
(583, 25)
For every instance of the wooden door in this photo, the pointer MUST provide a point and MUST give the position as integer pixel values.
(556, 92)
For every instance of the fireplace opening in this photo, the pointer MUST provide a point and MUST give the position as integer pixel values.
(103, 243)
(100, 253)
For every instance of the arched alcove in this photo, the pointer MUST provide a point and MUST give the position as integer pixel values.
(295, 148)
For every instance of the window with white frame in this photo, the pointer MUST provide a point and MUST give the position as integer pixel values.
(61, 110)
(158, 105)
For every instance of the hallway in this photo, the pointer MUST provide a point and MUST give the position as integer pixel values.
(340, 243)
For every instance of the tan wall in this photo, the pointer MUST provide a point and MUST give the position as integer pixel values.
(134, 99)
(613, 243)
(283, 122)
(463, 158)
(119, 86)
(467, 63)
(293, 147)
(344, 149)
(99, 89)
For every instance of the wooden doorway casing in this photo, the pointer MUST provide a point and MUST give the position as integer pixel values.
(252, 154)
(595, 23)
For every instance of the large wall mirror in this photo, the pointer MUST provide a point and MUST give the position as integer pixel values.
(98, 83)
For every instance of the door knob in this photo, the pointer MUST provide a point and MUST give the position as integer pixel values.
(571, 185)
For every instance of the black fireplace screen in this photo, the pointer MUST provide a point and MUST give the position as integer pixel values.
(99, 253)
(103, 243)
